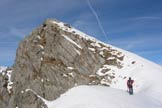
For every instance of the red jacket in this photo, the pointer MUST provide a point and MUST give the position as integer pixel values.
(130, 83)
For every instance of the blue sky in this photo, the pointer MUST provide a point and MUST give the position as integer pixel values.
(133, 25)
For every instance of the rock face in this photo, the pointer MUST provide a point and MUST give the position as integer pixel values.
(56, 57)
(5, 87)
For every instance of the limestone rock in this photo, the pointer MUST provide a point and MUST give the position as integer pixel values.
(5, 87)
(56, 57)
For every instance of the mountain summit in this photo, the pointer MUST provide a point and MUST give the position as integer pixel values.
(57, 57)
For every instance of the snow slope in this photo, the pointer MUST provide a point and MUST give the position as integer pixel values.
(147, 87)
(147, 76)
(102, 97)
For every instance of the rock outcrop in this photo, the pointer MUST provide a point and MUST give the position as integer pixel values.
(56, 57)
(5, 87)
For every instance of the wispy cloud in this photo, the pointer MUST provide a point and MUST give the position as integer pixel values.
(22, 12)
(160, 63)
(127, 44)
(85, 23)
(147, 18)
(7, 53)
(19, 32)
(139, 42)
(13, 34)
(4, 2)
(150, 52)
(97, 18)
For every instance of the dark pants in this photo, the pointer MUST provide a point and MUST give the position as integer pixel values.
(130, 91)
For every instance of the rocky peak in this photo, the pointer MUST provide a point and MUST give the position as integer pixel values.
(56, 57)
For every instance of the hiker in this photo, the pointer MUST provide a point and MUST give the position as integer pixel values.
(130, 85)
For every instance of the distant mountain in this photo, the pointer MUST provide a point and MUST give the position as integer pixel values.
(57, 57)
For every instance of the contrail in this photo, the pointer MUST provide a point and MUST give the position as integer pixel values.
(97, 18)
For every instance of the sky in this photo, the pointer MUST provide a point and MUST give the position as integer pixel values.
(133, 25)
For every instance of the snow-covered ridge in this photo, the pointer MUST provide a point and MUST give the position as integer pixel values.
(133, 65)
(68, 28)
(146, 74)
